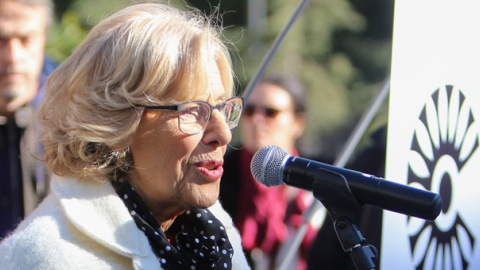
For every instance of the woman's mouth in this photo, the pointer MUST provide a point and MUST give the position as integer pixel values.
(212, 169)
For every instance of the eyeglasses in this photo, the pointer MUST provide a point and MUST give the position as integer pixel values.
(268, 112)
(193, 116)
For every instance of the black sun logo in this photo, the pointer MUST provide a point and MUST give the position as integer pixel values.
(444, 141)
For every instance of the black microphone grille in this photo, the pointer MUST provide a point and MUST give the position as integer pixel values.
(267, 165)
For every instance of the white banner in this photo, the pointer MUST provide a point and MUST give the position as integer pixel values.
(433, 133)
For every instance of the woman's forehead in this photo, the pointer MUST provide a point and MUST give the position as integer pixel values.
(216, 85)
(207, 84)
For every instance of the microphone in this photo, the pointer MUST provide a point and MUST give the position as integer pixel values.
(273, 166)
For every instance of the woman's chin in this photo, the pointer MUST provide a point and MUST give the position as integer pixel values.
(206, 199)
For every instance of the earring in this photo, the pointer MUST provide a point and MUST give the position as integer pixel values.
(123, 158)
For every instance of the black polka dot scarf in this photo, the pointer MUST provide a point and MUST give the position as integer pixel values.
(196, 239)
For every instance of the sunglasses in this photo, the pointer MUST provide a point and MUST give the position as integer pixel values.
(250, 110)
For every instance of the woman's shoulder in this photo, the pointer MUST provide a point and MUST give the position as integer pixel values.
(33, 239)
(41, 221)
(47, 240)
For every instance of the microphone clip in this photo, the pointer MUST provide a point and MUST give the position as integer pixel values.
(332, 190)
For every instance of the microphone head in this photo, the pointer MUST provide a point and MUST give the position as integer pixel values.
(267, 165)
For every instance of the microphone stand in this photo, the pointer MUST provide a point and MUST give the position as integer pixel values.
(332, 190)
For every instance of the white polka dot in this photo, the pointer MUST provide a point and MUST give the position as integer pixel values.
(225, 265)
(193, 267)
(132, 213)
(212, 237)
(202, 232)
(197, 240)
(188, 212)
(164, 261)
(156, 233)
(201, 254)
(188, 245)
(168, 248)
(134, 206)
(125, 196)
(199, 215)
(223, 239)
(224, 251)
(222, 228)
(210, 221)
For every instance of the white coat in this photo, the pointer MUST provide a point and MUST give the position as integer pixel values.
(85, 225)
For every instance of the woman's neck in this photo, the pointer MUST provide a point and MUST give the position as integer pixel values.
(166, 222)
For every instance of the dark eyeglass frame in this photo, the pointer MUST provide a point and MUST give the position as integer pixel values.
(231, 122)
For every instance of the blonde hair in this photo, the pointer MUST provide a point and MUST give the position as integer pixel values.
(145, 54)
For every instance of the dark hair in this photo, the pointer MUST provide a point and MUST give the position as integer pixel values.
(292, 85)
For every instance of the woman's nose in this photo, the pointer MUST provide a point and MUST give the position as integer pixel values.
(217, 130)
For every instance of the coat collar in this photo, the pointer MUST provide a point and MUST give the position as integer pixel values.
(95, 209)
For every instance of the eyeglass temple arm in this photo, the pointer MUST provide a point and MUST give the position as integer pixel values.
(163, 107)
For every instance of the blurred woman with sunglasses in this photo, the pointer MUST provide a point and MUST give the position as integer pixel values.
(266, 216)
(274, 114)
(135, 126)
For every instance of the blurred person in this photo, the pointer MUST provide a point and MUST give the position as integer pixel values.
(267, 216)
(23, 71)
(135, 125)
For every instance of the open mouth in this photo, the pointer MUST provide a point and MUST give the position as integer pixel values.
(210, 165)
(212, 169)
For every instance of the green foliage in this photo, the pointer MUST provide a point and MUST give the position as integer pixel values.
(76, 19)
(92, 11)
(64, 36)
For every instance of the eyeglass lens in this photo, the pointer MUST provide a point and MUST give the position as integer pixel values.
(268, 112)
(193, 116)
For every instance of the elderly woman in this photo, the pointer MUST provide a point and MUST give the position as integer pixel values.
(136, 123)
